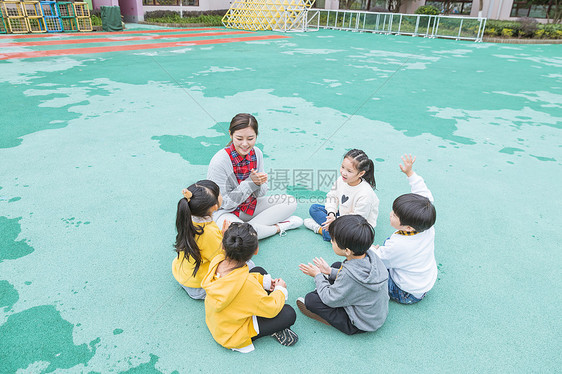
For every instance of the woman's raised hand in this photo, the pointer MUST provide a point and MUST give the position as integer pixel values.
(258, 178)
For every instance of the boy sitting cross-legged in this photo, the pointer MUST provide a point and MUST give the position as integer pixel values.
(409, 253)
(351, 296)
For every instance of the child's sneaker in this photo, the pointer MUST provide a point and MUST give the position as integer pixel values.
(292, 222)
(311, 224)
(308, 313)
(286, 337)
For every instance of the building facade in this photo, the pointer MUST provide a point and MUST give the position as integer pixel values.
(134, 10)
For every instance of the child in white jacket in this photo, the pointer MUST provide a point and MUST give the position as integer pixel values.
(409, 253)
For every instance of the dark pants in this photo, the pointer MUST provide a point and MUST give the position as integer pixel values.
(336, 317)
(285, 319)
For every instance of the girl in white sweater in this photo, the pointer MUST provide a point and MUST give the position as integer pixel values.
(351, 194)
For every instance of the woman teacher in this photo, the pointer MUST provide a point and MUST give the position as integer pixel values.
(238, 170)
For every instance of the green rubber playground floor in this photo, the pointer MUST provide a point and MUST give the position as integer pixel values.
(95, 149)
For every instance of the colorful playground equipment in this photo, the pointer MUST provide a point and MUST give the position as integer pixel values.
(34, 16)
(15, 17)
(3, 25)
(282, 15)
(52, 16)
(31, 16)
(82, 14)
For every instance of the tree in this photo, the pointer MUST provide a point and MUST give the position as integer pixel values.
(346, 4)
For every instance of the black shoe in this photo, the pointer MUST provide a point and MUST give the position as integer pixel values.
(286, 337)
(304, 310)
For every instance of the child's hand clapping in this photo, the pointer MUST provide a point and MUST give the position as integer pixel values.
(322, 265)
(278, 282)
(408, 163)
(310, 269)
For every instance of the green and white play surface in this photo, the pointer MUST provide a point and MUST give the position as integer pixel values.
(96, 148)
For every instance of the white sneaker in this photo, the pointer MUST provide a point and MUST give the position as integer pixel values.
(292, 222)
(311, 224)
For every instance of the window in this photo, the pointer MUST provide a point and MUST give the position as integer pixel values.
(452, 7)
(526, 9)
(171, 2)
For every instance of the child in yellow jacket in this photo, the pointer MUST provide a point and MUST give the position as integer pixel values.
(243, 305)
(199, 239)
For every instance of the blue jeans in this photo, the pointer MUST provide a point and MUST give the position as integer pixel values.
(318, 213)
(400, 296)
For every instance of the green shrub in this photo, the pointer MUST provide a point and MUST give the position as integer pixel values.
(427, 9)
(539, 34)
(96, 21)
(490, 31)
(552, 31)
(161, 14)
(186, 14)
(528, 27)
(507, 32)
(500, 25)
(167, 16)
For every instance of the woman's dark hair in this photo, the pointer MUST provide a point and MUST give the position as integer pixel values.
(363, 163)
(241, 121)
(352, 231)
(240, 241)
(414, 210)
(205, 194)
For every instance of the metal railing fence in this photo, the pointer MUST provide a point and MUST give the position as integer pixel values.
(429, 26)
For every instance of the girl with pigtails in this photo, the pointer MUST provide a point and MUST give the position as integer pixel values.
(198, 238)
(352, 193)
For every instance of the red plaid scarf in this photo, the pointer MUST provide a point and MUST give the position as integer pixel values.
(242, 167)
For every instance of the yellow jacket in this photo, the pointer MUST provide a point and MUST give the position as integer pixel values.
(231, 302)
(210, 244)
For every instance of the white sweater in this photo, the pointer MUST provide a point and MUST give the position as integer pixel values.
(360, 199)
(410, 260)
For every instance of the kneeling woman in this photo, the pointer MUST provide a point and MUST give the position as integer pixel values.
(239, 172)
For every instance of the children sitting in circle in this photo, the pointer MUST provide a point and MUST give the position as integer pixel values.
(351, 296)
(198, 238)
(243, 305)
(409, 253)
(352, 193)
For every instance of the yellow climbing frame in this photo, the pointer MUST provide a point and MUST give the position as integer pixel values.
(15, 17)
(34, 16)
(266, 14)
(83, 19)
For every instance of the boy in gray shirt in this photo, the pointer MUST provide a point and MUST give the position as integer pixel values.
(351, 296)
